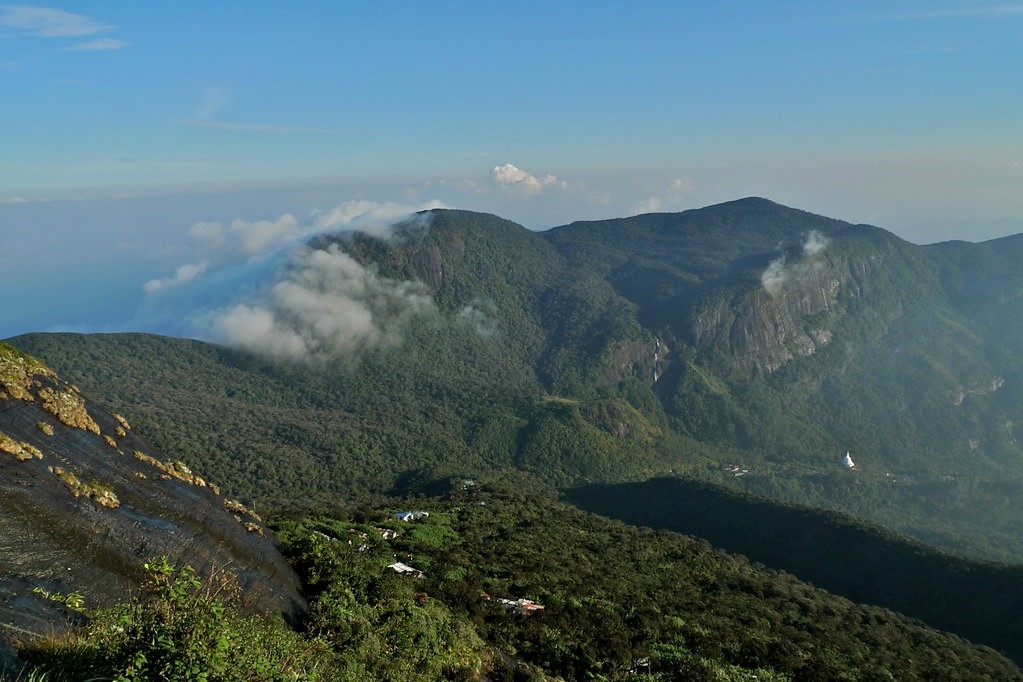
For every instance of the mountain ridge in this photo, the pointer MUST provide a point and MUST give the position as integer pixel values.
(778, 339)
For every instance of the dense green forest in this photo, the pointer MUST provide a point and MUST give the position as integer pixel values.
(595, 359)
(745, 334)
(608, 611)
(977, 600)
(341, 434)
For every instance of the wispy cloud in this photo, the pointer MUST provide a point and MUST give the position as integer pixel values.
(213, 100)
(46, 22)
(99, 44)
(669, 197)
(216, 244)
(996, 11)
(255, 127)
(185, 273)
(325, 307)
(777, 273)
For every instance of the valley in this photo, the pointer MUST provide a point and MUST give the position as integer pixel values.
(700, 373)
(783, 340)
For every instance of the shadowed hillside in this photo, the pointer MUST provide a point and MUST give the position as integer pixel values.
(979, 601)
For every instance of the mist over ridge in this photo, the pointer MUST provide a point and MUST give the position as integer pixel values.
(260, 285)
(276, 287)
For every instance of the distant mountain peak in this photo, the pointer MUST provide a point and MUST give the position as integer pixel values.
(750, 202)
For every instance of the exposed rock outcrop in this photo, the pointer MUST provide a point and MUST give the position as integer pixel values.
(764, 327)
(77, 515)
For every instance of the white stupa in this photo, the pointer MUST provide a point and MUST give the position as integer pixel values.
(847, 462)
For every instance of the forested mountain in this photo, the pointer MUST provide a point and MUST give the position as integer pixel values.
(740, 350)
(503, 581)
(748, 343)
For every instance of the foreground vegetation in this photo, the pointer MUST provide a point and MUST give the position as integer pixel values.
(619, 603)
(180, 628)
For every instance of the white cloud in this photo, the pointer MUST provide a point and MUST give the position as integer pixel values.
(681, 185)
(256, 284)
(46, 22)
(248, 239)
(650, 205)
(13, 200)
(325, 307)
(814, 243)
(211, 233)
(368, 216)
(481, 315)
(185, 273)
(512, 178)
(774, 276)
(259, 237)
(100, 44)
(256, 329)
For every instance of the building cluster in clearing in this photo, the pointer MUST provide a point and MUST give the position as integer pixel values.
(522, 607)
(405, 569)
(412, 516)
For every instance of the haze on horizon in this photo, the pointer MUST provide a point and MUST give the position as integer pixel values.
(127, 128)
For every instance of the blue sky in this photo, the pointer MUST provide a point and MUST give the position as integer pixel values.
(126, 124)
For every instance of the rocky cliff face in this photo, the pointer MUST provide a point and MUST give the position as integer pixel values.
(764, 330)
(84, 503)
(787, 314)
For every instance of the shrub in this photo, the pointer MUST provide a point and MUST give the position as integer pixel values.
(182, 629)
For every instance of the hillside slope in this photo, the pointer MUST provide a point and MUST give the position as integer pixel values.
(747, 334)
(556, 593)
(978, 600)
(84, 502)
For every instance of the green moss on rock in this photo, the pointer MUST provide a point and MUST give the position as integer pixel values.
(99, 493)
(22, 451)
(178, 470)
(69, 407)
(19, 372)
